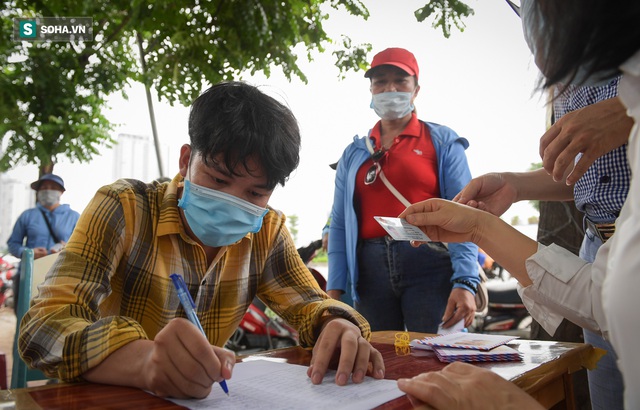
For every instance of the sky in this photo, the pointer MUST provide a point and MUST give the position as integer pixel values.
(479, 82)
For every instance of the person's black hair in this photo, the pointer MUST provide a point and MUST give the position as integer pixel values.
(597, 35)
(240, 122)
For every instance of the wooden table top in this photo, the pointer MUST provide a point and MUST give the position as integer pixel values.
(542, 362)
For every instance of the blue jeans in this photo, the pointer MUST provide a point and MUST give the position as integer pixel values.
(402, 287)
(606, 386)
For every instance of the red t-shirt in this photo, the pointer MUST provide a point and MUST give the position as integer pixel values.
(410, 164)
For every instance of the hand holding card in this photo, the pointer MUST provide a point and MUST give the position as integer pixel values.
(401, 230)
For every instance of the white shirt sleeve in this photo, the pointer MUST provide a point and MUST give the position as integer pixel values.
(565, 286)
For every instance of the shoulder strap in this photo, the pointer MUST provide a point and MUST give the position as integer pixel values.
(393, 189)
(384, 179)
(53, 235)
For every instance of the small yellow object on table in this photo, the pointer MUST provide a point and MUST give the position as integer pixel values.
(402, 344)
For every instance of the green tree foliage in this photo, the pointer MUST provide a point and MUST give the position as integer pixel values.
(53, 95)
(445, 14)
(321, 257)
(52, 98)
(293, 226)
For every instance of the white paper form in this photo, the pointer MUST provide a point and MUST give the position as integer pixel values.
(262, 384)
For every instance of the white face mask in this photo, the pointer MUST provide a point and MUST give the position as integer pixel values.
(48, 197)
(392, 105)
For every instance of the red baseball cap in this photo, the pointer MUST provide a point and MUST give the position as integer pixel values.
(398, 57)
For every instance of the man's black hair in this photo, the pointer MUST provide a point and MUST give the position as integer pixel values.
(240, 122)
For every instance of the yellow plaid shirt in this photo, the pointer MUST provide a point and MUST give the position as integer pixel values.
(111, 285)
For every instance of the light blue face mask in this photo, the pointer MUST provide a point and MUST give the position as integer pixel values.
(48, 197)
(216, 218)
(392, 105)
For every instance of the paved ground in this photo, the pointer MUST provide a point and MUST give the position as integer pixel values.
(7, 332)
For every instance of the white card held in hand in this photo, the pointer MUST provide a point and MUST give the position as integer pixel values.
(401, 230)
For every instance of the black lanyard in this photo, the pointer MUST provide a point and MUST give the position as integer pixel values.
(53, 235)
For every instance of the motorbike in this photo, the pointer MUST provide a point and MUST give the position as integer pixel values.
(506, 314)
(261, 328)
(7, 271)
(307, 253)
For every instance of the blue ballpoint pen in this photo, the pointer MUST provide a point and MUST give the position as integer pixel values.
(189, 308)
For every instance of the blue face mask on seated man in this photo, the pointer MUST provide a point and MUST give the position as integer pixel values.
(216, 218)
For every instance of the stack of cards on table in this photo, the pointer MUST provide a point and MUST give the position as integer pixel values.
(469, 347)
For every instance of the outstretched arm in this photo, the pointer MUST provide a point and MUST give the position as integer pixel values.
(448, 221)
(496, 192)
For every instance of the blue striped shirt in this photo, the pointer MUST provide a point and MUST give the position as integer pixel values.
(603, 189)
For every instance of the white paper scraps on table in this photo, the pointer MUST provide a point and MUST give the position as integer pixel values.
(268, 385)
(458, 327)
(401, 230)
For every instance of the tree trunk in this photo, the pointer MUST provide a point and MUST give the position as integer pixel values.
(46, 169)
(560, 223)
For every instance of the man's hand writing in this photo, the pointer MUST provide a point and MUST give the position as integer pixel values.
(178, 363)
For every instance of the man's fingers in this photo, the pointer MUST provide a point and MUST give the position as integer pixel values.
(227, 360)
(548, 137)
(418, 219)
(562, 163)
(348, 364)
(449, 314)
(321, 357)
(377, 363)
(579, 169)
(550, 156)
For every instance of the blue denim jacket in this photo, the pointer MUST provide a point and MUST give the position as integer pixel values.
(453, 175)
(31, 225)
